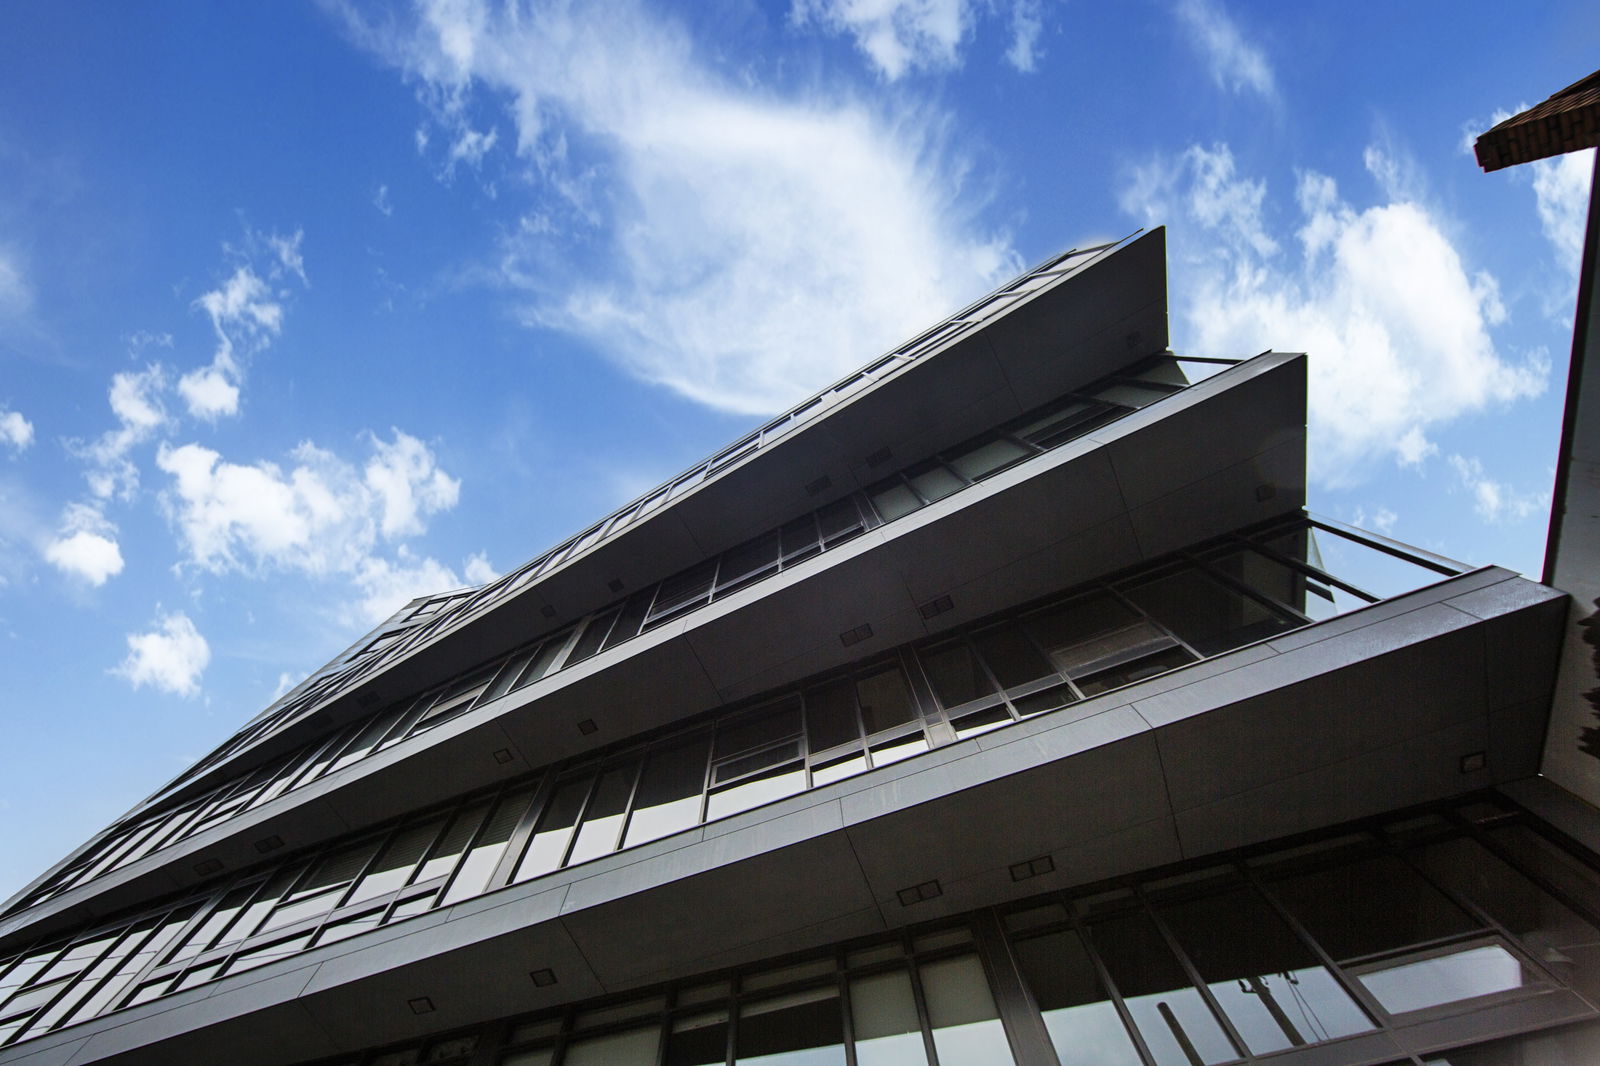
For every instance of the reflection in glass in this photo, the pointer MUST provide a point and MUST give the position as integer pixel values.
(955, 675)
(885, 700)
(698, 1040)
(1445, 976)
(799, 1029)
(1269, 983)
(487, 849)
(883, 1011)
(602, 821)
(669, 792)
(549, 842)
(1012, 657)
(1177, 1026)
(961, 1011)
(754, 792)
(1208, 615)
(633, 1047)
(1084, 1026)
(1556, 936)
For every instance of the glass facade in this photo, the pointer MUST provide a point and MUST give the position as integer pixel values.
(770, 553)
(1052, 657)
(1242, 958)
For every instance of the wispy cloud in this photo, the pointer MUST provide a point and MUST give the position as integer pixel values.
(731, 244)
(1027, 24)
(1397, 327)
(16, 294)
(1236, 64)
(1495, 500)
(246, 314)
(1561, 194)
(170, 657)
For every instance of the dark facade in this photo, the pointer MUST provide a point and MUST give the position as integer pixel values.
(1000, 703)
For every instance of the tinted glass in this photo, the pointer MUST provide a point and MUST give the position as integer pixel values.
(1176, 1024)
(961, 1012)
(800, 1029)
(885, 700)
(669, 792)
(1209, 616)
(602, 821)
(955, 674)
(1083, 1025)
(883, 1011)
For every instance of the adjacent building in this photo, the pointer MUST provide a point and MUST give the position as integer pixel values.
(998, 704)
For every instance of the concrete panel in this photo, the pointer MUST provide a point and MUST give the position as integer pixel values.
(1225, 500)
(1516, 735)
(763, 897)
(1162, 447)
(865, 922)
(1416, 771)
(1320, 711)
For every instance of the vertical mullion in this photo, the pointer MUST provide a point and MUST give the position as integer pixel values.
(1019, 1016)
(846, 1013)
(1153, 620)
(1229, 581)
(495, 799)
(1199, 982)
(1113, 994)
(1355, 989)
(633, 791)
(924, 1019)
(577, 821)
(507, 866)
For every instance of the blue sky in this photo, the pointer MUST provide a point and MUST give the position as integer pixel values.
(307, 309)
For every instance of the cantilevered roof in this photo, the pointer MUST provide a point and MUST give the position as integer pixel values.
(1567, 122)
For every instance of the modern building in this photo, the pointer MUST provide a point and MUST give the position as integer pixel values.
(999, 704)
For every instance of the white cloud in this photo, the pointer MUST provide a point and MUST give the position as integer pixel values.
(754, 248)
(170, 657)
(135, 399)
(380, 200)
(1381, 520)
(385, 586)
(1561, 192)
(320, 516)
(1027, 23)
(478, 570)
(408, 484)
(86, 546)
(246, 315)
(1236, 64)
(897, 35)
(1396, 327)
(1494, 500)
(15, 431)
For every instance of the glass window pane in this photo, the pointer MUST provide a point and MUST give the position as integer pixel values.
(1209, 616)
(1555, 864)
(548, 845)
(831, 716)
(602, 821)
(839, 521)
(893, 499)
(698, 1040)
(393, 868)
(755, 791)
(1196, 372)
(1126, 673)
(1129, 395)
(955, 674)
(1313, 598)
(594, 635)
(473, 876)
(1366, 568)
(454, 842)
(961, 1011)
(1012, 657)
(837, 769)
(1061, 424)
(1269, 983)
(1080, 621)
(1446, 975)
(542, 660)
(634, 1047)
(886, 752)
(1575, 1045)
(799, 1029)
(983, 459)
(1554, 934)
(684, 590)
(766, 725)
(1084, 1026)
(1369, 906)
(883, 1011)
(669, 792)
(970, 725)
(798, 539)
(1169, 1011)
(748, 561)
(934, 481)
(885, 700)
(631, 619)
